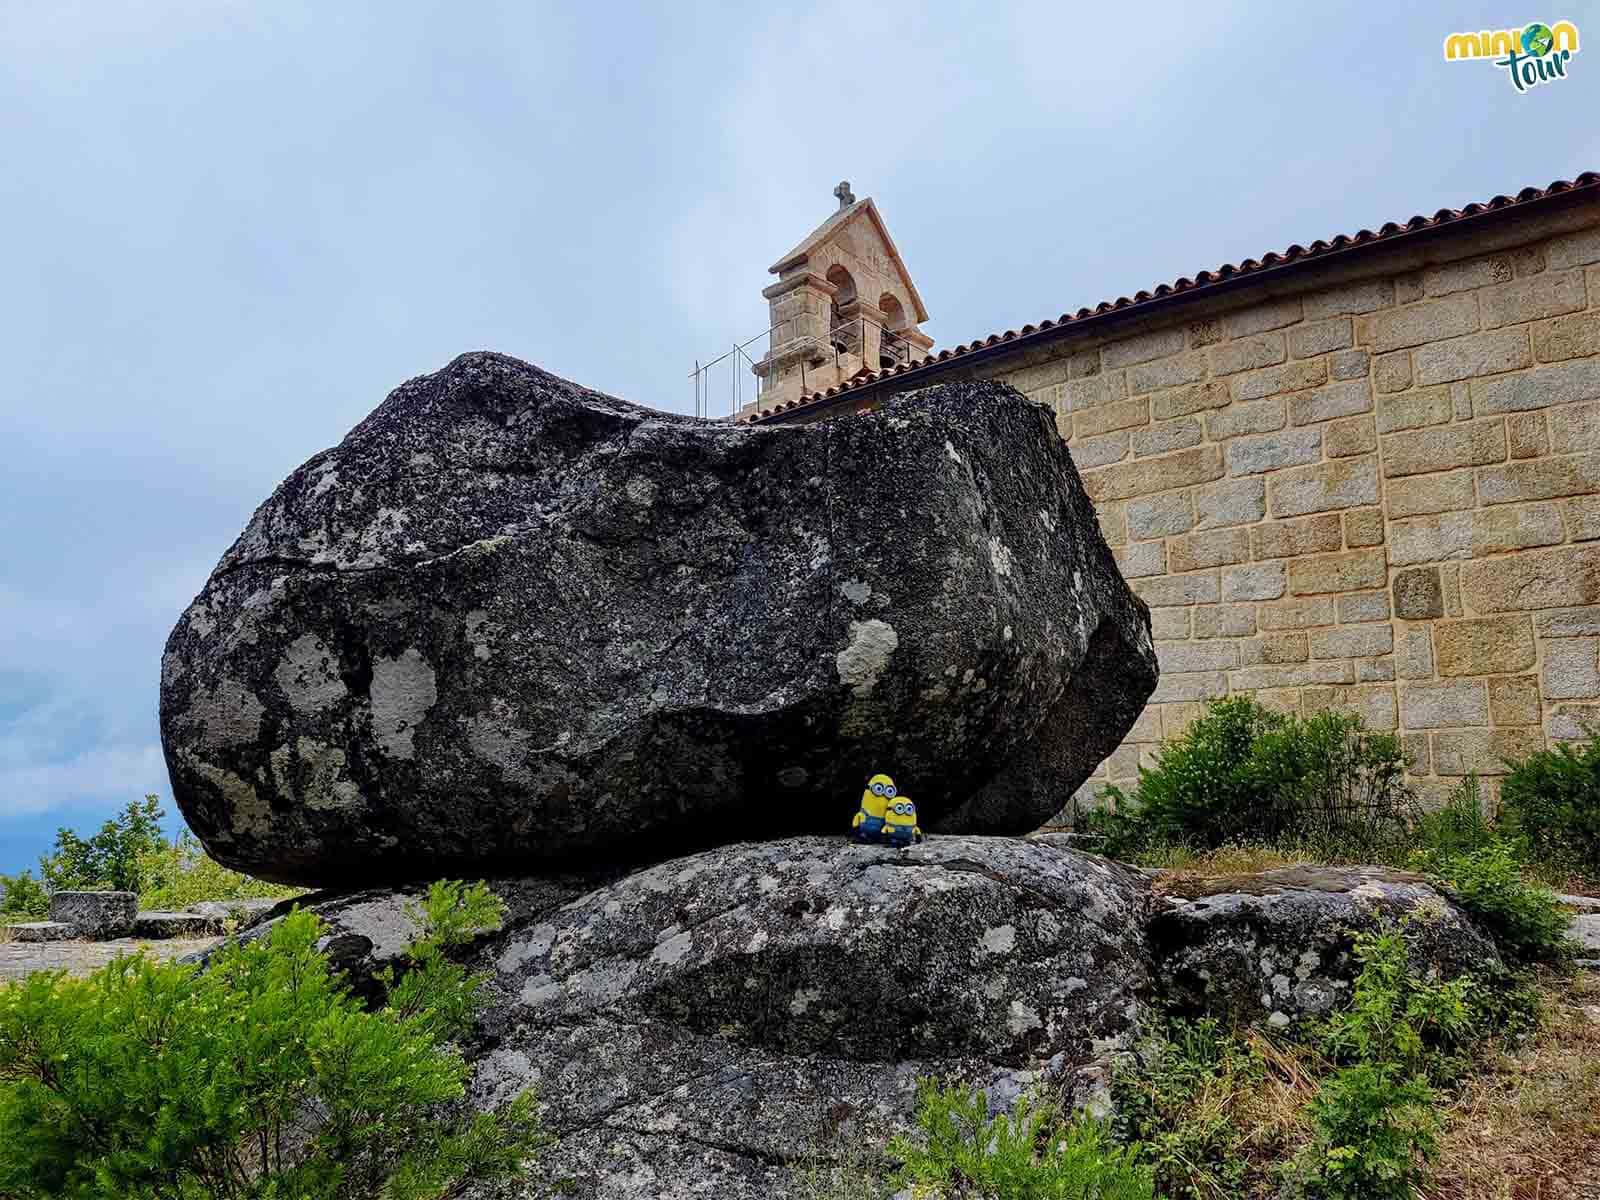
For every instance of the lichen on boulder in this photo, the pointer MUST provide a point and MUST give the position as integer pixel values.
(511, 621)
(1278, 945)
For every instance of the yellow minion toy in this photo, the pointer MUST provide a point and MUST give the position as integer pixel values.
(900, 823)
(875, 800)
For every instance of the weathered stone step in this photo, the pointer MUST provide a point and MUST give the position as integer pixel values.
(153, 923)
(1586, 932)
(45, 931)
(96, 914)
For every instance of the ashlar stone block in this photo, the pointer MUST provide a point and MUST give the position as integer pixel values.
(1259, 581)
(1355, 570)
(1514, 700)
(1418, 595)
(1231, 502)
(1484, 646)
(1322, 487)
(1571, 669)
(1561, 577)
(1444, 705)
(1443, 448)
(1482, 751)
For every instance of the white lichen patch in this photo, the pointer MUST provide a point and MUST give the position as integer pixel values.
(248, 813)
(325, 785)
(1000, 939)
(855, 591)
(641, 491)
(403, 690)
(999, 556)
(494, 738)
(230, 712)
(1021, 1018)
(540, 990)
(534, 944)
(199, 618)
(803, 999)
(671, 951)
(864, 660)
(477, 630)
(308, 673)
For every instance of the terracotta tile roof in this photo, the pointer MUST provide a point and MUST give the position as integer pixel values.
(1226, 273)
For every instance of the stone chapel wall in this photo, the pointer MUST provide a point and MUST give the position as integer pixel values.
(1379, 493)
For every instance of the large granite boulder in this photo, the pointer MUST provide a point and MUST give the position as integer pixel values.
(1277, 946)
(512, 621)
(699, 1027)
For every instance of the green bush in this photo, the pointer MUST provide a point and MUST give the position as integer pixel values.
(1178, 1096)
(1395, 1018)
(1375, 1124)
(1242, 773)
(1552, 799)
(108, 860)
(1459, 827)
(258, 1077)
(22, 898)
(1029, 1154)
(1525, 920)
(180, 873)
(1376, 1134)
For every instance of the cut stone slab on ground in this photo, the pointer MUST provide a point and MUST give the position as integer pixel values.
(96, 914)
(18, 960)
(156, 924)
(45, 931)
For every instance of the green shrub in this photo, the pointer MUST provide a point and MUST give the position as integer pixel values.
(1375, 1125)
(1525, 920)
(22, 898)
(1552, 798)
(1460, 827)
(1394, 1017)
(1180, 1096)
(179, 873)
(1376, 1134)
(110, 859)
(1029, 1154)
(258, 1077)
(1244, 774)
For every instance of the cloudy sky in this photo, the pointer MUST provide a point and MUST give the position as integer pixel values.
(228, 229)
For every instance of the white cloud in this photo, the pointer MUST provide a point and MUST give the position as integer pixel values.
(97, 777)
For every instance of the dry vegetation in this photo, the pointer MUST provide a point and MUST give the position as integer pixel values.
(1527, 1124)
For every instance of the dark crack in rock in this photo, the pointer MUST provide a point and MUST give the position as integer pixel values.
(510, 623)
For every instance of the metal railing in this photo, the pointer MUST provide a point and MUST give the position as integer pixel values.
(844, 337)
(739, 364)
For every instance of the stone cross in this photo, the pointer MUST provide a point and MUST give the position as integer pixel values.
(846, 199)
